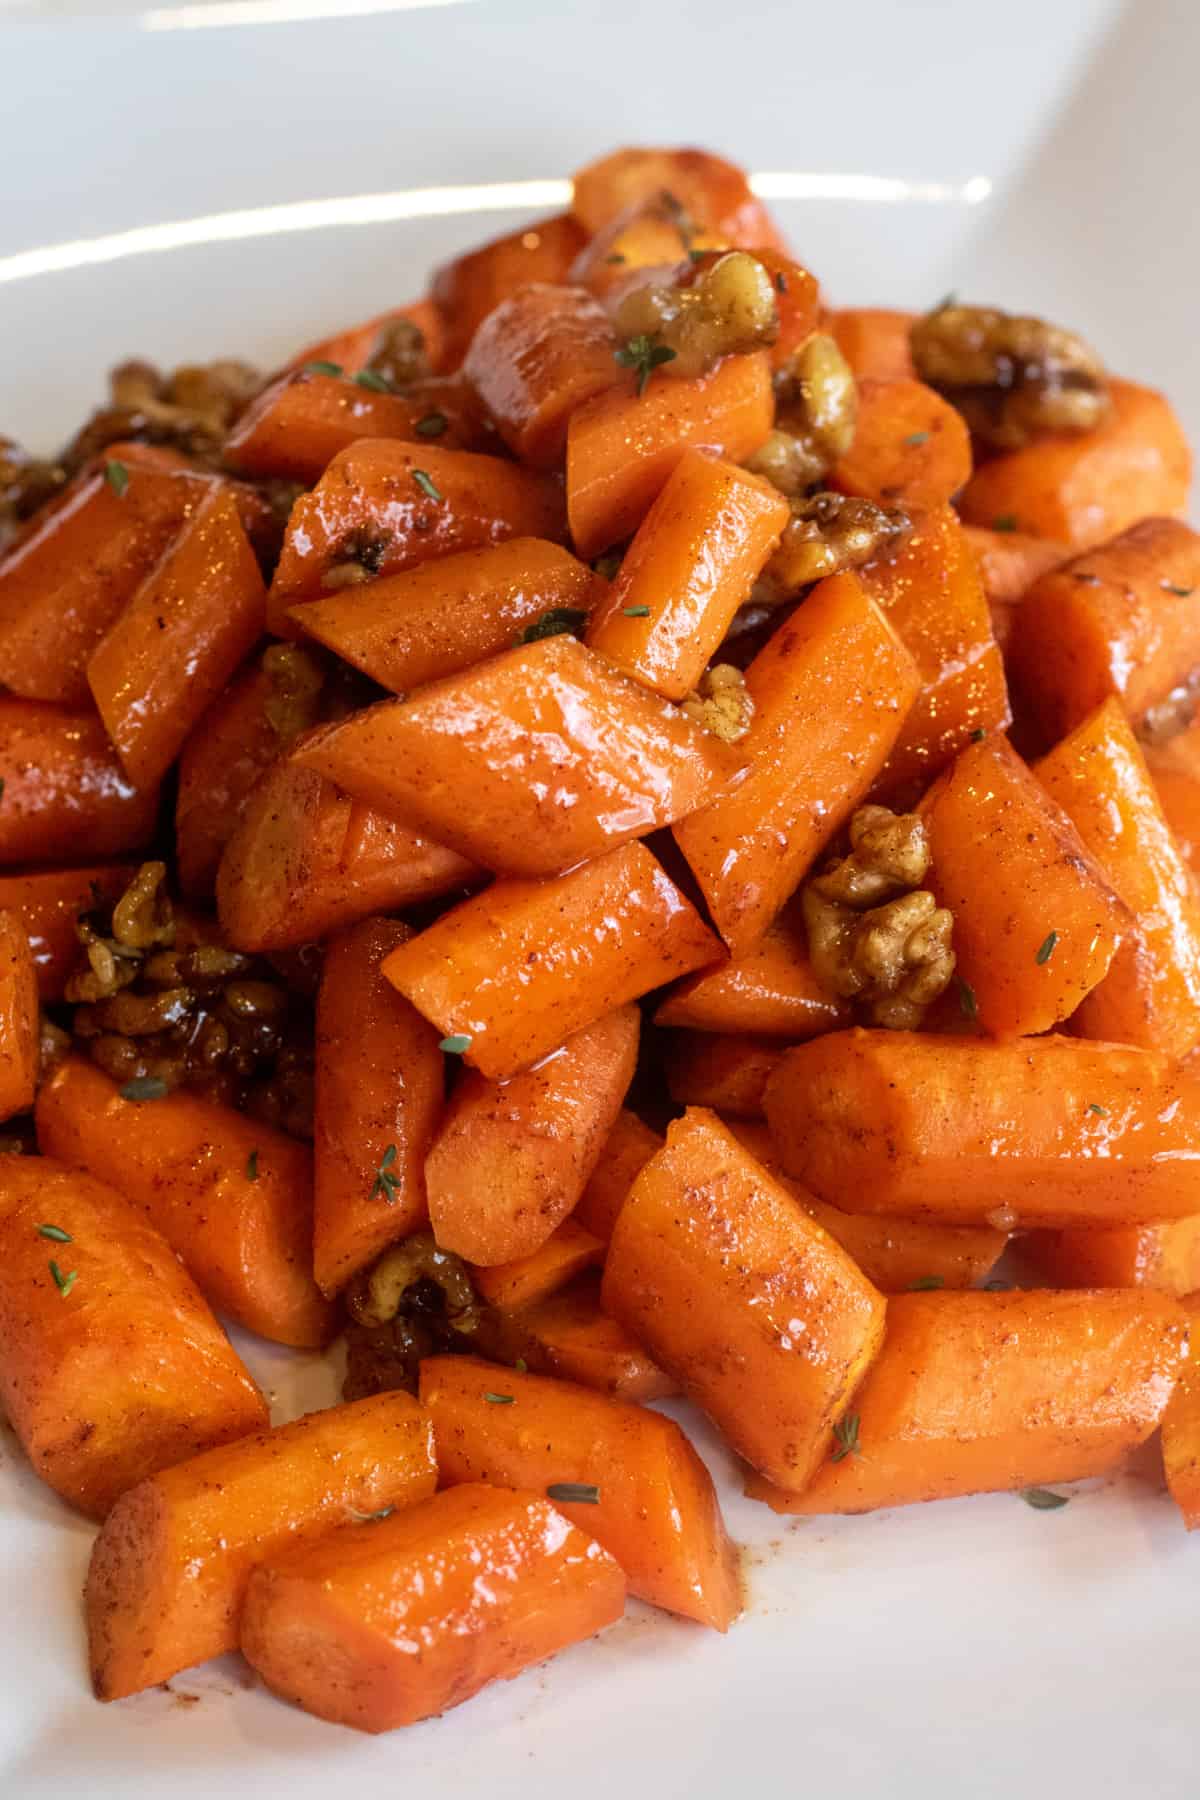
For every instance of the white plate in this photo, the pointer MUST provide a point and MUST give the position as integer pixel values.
(1031, 154)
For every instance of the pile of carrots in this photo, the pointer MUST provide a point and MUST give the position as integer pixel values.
(569, 1025)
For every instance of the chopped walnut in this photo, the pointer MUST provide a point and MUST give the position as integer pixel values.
(728, 309)
(191, 409)
(399, 354)
(722, 703)
(1012, 378)
(25, 484)
(827, 533)
(816, 410)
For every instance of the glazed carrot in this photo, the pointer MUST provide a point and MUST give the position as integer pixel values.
(709, 190)
(649, 235)
(1118, 620)
(534, 359)
(1051, 1131)
(831, 689)
(529, 763)
(655, 1512)
(1009, 562)
(1166, 1257)
(168, 1572)
(696, 556)
(48, 902)
(385, 1624)
(1083, 487)
(512, 1157)
(225, 754)
(64, 795)
(1036, 921)
(730, 1074)
(978, 1392)
(1181, 1439)
(298, 425)
(762, 1319)
(627, 1149)
(387, 506)
(771, 991)
(581, 1343)
(466, 290)
(306, 860)
(622, 446)
(115, 1367)
(874, 341)
(1151, 993)
(797, 302)
(518, 969)
(352, 348)
(379, 1087)
(934, 600)
(444, 616)
(1175, 770)
(566, 1253)
(19, 1019)
(233, 1196)
(910, 447)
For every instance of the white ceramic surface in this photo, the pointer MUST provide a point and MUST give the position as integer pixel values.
(1038, 154)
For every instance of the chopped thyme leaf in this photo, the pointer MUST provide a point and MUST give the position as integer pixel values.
(968, 1005)
(64, 1283)
(426, 484)
(616, 257)
(1046, 948)
(917, 437)
(1095, 1107)
(574, 1493)
(323, 368)
(978, 735)
(117, 476)
(385, 1512)
(644, 355)
(55, 1233)
(1171, 588)
(498, 1399)
(926, 1284)
(144, 1087)
(432, 425)
(636, 612)
(556, 621)
(456, 1043)
(846, 1433)
(370, 378)
(1043, 1500)
(252, 1165)
(385, 1182)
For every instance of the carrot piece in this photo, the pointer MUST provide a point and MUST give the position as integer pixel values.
(1181, 1439)
(233, 1196)
(115, 1367)
(379, 1087)
(656, 1511)
(797, 302)
(305, 860)
(1166, 1257)
(444, 616)
(169, 1570)
(1036, 922)
(566, 1253)
(518, 969)
(529, 763)
(534, 359)
(874, 341)
(47, 902)
(763, 1320)
(934, 601)
(910, 447)
(19, 1019)
(63, 794)
(730, 1074)
(1175, 770)
(627, 1149)
(298, 425)
(352, 348)
(387, 506)
(1009, 562)
(512, 1157)
(466, 290)
(714, 193)
(1080, 488)
(1051, 1131)
(581, 1343)
(831, 689)
(696, 556)
(974, 1393)
(1151, 993)
(223, 757)
(1119, 620)
(771, 991)
(622, 445)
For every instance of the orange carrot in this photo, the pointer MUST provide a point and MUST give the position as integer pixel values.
(111, 1365)
(627, 1149)
(466, 290)
(1175, 769)
(706, 188)
(64, 795)
(48, 902)
(536, 357)
(910, 447)
(1009, 562)
(512, 1157)
(233, 1196)
(520, 968)
(581, 1343)
(169, 1570)
(233, 745)
(622, 446)
(379, 1087)
(978, 1392)
(566, 1253)
(1036, 923)
(797, 301)
(1049, 1131)
(353, 347)
(831, 690)
(529, 763)
(298, 425)
(694, 560)
(1080, 488)
(655, 1510)
(1166, 1257)
(443, 616)
(771, 991)
(1181, 1439)
(730, 1074)
(874, 341)
(19, 1021)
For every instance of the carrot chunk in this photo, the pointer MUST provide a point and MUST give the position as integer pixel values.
(580, 1342)
(466, 290)
(771, 991)
(730, 1074)
(1175, 769)
(910, 447)
(716, 194)
(19, 1019)
(48, 902)
(1009, 562)
(63, 792)
(1166, 1257)
(298, 425)
(566, 1253)
(627, 1149)
(535, 358)
(874, 341)
(224, 756)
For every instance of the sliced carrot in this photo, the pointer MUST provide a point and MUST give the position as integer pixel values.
(566, 1253)
(696, 556)
(352, 348)
(1181, 1439)
(1154, 1256)
(19, 1018)
(910, 447)
(581, 1343)
(169, 1570)
(298, 425)
(63, 793)
(771, 991)
(1175, 769)
(627, 1149)
(1009, 562)
(48, 902)
(466, 290)
(714, 193)
(224, 756)
(730, 1074)
(874, 341)
(518, 969)
(535, 358)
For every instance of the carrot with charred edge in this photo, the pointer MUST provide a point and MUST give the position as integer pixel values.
(874, 341)
(534, 359)
(306, 860)
(622, 446)
(222, 759)
(47, 902)
(910, 447)
(831, 690)
(566, 1253)
(466, 290)
(1082, 487)
(63, 792)
(352, 348)
(111, 1365)
(19, 1021)
(1009, 562)
(696, 556)
(382, 507)
(515, 971)
(530, 763)
(233, 1196)
(512, 1157)
(1036, 921)
(168, 1572)
(444, 616)
(763, 1320)
(974, 1393)
(1181, 1436)
(655, 1511)
(627, 1149)
(1166, 1257)
(380, 1080)
(1151, 993)
(730, 1074)
(1175, 770)
(704, 188)
(771, 991)
(385, 1624)
(1047, 1131)
(298, 425)
(580, 1342)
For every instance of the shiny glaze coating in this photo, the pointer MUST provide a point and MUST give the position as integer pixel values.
(1166, 1257)
(708, 189)
(20, 1058)
(910, 447)
(466, 290)
(233, 745)
(298, 425)
(728, 1072)
(770, 991)
(65, 792)
(534, 359)
(566, 1253)
(581, 1343)
(48, 902)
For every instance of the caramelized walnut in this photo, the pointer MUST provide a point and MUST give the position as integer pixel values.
(1013, 378)
(816, 409)
(827, 533)
(727, 310)
(722, 703)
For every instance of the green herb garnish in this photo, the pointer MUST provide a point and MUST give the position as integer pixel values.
(1046, 948)
(323, 368)
(55, 1233)
(926, 1284)
(1182, 592)
(521, 1366)
(370, 378)
(697, 255)
(556, 621)
(426, 484)
(616, 257)
(1043, 1500)
(636, 612)
(574, 1493)
(498, 1399)
(144, 1087)
(1005, 522)
(846, 1433)
(385, 1182)
(968, 1005)
(385, 1512)
(117, 476)
(252, 1165)
(1095, 1107)
(432, 425)
(456, 1043)
(917, 437)
(64, 1283)
(644, 355)
(978, 735)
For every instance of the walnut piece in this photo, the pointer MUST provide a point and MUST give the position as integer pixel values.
(1013, 378)
(827, 533)
(816, 410)
(722, 703)
(726, 310)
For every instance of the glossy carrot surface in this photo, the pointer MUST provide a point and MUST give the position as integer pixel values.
(66, 796)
